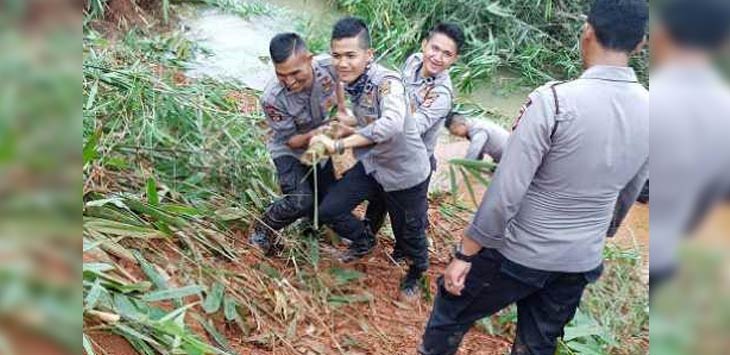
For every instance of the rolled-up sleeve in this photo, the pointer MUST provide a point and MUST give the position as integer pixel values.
(476, 145)
(435, 107)
(524, 153)
(393, 113)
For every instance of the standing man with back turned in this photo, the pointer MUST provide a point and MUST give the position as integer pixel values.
(578, 157)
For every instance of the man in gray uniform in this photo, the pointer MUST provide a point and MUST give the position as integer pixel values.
(295, 104)
(485, 137)
(573, 159)
(690, 123)
(392, 159)
(431, 96)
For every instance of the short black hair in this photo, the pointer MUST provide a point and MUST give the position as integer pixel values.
(349, 27)
(619, 24)
(702, 24)
(451, 30)
(283, 45)
(454, 117)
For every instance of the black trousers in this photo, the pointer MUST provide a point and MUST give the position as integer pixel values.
(296, 181)
(377, 209)
(407, 209)
(546, 301)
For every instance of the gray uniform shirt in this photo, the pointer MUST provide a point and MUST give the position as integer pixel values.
(485, 137)
(579, 152)
(690, 112)
(430, 100)
(288, 114)
(398, 159)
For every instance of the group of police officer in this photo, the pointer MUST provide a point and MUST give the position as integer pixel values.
(568, 172)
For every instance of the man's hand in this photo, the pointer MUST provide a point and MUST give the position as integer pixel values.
(346, 117)
(342, 130)
(300, 140)
(327, 142)
(455, 276)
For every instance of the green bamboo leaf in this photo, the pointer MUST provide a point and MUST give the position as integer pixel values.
(149, 270)
(166, 10)
(452, 182)
(89, 152)
(86, 343)
(230, 214)
(338, 300)
(214, 298)
(132, 334)
(172, 293)
(214, 333)
(474, 164)
(152, 198)
(477, 175)
(267, 269)
(92, 96)
(344, 276)
(143, 286)
(96, 268)
(155, 213)
(230, 308)
(177, 316)
(126, 308)
(189, 211)
(468, 186)
(95, 293)
(121, 229)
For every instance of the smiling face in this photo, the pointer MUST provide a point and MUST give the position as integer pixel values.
(296, 72)
(350, 58)
(439, 53)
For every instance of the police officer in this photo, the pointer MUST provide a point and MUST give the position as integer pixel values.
(573, 159)
(431, 96)
(485, 137)
(392, 159)
(295, 104)
(689, 123)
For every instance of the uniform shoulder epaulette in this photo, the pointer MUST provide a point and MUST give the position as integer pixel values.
(549, 90)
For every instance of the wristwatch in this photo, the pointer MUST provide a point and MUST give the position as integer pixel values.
(459, 254)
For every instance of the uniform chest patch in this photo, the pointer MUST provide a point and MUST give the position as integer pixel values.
(429, 99)
(523, 109)
(327, 83)
(272, 113)
(384, 88)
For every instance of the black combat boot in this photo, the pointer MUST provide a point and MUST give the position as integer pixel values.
(264, 238)
(410, 285)
(398, 255)
(361, 247)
